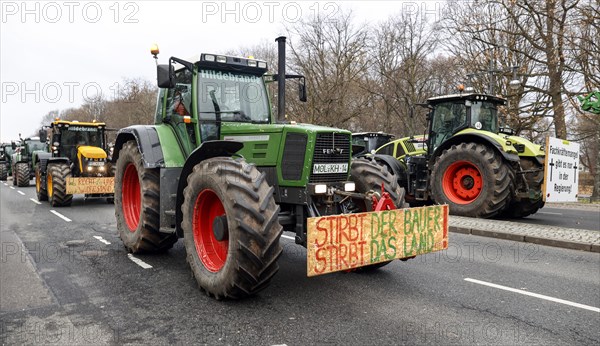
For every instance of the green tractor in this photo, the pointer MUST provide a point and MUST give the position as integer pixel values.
(23, 158)
(468, 162)
(218, 170)
(6, 152)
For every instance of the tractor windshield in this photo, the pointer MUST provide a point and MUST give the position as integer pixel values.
(484, 116)
(35, 146)
(82, 135)
(448, 117)
(234, 96)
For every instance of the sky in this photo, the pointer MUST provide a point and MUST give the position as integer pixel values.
(57, 54)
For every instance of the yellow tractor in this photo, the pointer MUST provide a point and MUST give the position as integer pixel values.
(76, 163)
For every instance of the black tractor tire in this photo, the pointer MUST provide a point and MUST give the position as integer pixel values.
(22, 174)
(56, 185)
(526, 207)
(369, 175)
(14, 175)
(3, 171)
(137, 204)
(231, 229)
(40, 186)
(473, 180)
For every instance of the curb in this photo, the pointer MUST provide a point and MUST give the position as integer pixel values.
(527, 239)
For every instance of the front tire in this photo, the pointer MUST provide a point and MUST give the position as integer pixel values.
(529, 206)
(22, 174)
(368, 175)
(40, 186)
(137, 204)
(56, 185)
(473, 180)
(231, 229)
(3, 171)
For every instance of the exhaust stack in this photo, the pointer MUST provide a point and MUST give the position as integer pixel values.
(281, 78)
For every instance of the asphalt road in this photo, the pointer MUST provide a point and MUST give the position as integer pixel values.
(563, 217)
(72, 282)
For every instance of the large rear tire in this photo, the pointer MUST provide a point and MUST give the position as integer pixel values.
(473, 180)
(137, 204)
(231, 229)
(526, 207)
(56, 185)
(3, 171)
(22, 174)
(368, 175)
(40, 186)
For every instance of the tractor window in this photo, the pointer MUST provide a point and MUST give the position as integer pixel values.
(387, 149)
(35, 146)
(448, 117)
(238, 97)
(179, 99)
(484, 116)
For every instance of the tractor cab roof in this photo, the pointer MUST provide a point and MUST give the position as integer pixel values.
(466, 96)
(66, 123)
(226, 62)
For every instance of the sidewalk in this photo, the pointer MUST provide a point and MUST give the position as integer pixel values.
(569, 238)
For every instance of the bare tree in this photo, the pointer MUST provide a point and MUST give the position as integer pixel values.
(332, 55)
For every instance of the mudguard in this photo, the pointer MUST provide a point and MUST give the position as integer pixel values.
(476, 138)
(148, 143)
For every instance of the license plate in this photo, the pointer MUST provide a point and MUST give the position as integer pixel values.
(96, 163)
(325, 168)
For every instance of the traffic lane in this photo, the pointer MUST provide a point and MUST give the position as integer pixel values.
(563, 217)
(419, 301)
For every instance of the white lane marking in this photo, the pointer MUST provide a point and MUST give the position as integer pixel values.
(34, 201)
(60, 215)
(21, 192)
(287, 237)
(139, 262)
(5, 184)
(102, 240)
(536, 295)
(548, 213)
(12, 187)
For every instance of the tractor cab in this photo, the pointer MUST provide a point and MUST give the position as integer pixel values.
(367, 142)
(82, 143)
(450, 114)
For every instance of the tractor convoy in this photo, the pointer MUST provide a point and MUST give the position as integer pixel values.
(218, 169)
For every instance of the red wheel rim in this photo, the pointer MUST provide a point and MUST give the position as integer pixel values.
(212, 252)
(462, 182)
(131, 197)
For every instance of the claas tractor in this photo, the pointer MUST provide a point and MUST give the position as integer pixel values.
(23, 158)
(6, 151)
(467, 161)
(76, 163)
(218, 169)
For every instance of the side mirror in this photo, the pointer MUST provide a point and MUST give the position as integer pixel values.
(13, 145)
(164, 76)
(43, 136)
(302, 92)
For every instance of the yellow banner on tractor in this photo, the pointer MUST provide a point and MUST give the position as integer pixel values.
(90, 185)
(348, 241)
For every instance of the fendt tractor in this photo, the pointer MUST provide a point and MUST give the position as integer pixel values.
(6, 151)
(467, 161)
(218, 170)
(23, 158)
(76, 163)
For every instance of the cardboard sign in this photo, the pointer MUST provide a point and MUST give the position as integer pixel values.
(561, 173)
(347, 241)
(90, 185)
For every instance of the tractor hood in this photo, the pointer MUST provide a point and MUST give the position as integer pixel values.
(91, 152)
(526, 147)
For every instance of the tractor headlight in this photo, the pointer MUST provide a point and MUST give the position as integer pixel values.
(320, 189)
(349, 186)
(101, 169)
(90, 168)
